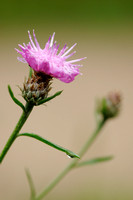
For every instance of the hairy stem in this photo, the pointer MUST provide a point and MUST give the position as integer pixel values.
(72, 163)
(23, 118)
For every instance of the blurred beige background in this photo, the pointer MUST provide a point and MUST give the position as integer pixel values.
(68, 120)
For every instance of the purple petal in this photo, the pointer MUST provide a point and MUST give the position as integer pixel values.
(77, 60)
(52, 39)
(69, 50)
(70, 55)
(21, 60)
(37, 44)
(31, 40)
(63, 50)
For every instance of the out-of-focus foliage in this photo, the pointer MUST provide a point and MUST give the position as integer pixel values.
(73, 11)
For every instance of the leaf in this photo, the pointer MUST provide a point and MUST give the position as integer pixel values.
(49, 98)
(15, 99)
(31, 184)
(95, 161)
(37, 137)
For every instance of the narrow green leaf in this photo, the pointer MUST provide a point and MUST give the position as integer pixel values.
(95, 161)
(37, 137)
(49, 98)
(15, 99)
(31, 184)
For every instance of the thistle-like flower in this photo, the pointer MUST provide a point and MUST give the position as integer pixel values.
(48, 61)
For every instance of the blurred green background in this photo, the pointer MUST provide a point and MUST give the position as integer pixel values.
(104, 33)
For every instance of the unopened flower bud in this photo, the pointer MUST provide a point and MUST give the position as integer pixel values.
(36, 88)
(109, 106)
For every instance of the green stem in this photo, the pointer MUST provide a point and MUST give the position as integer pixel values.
(31, 184)
(72, 164)
(91, 139)
(23, 118)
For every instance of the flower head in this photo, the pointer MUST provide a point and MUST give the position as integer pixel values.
(48, 60)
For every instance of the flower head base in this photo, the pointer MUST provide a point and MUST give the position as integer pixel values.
(109, 106)
(36, 88)
(47, 60)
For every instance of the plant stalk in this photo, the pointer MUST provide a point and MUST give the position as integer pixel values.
(72, 163)
(19, 125)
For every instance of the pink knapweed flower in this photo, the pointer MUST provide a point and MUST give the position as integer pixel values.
(48, 61)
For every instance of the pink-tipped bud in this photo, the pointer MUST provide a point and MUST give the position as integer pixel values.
(109, 106)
